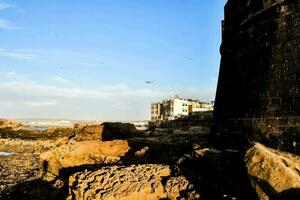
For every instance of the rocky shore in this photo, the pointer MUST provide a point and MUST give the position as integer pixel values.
(116, 161)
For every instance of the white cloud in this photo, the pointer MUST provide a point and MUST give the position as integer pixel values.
(22, 55)
(112, 102)
(61, 80)
(11, 74)
(32, 88)
(4, 5)
(5, 103)
(40, 104)
(115, 102)
(8, 25)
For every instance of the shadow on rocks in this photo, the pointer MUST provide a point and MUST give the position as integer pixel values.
(35, 189)
(156, 153)
(289, 194)
(220, 176)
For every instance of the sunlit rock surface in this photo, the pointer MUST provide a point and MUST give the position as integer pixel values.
(13, 125)
(83, 132)
(30, 146)
(274, 174)
(74, 154)
(135, 182)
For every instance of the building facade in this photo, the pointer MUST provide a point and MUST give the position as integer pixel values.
(177, 107)
(198, 106)
(155, 111)
(258, 93)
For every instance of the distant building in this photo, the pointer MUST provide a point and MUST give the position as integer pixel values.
(155, 111)
(197, 106)
(177, 107)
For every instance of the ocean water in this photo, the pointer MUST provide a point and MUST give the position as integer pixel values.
(3, 153)
(36, 128)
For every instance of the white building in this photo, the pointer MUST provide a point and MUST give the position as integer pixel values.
(180, 107)
(197, 106)
(177, 107)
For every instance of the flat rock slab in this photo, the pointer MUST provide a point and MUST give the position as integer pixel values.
(135, 182)
(17, 168)
(75, 154)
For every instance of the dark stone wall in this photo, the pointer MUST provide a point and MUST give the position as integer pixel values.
(259, 80)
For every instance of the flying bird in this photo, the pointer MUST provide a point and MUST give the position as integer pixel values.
(149, 82)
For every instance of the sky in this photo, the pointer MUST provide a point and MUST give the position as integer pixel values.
(89, 60)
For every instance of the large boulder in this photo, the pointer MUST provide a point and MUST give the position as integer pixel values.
(13, 125)
(84, 132)
(75, 154)
(106, 131)
(118, 130)
(274, 174)
(135, 182)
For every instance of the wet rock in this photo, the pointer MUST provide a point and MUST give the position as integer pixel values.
(74, 154)
(274, 174)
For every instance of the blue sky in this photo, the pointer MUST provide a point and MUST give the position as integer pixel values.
(90, 59)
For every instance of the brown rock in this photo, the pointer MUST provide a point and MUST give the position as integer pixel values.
(177, 184)
(75, 154)
(18, 168)
(119, 182)
(119, 130)
(88, 132)
(141, 152)
(13, 125)
(274, 174)
(33, 146)
(106, 131)
(135, 182)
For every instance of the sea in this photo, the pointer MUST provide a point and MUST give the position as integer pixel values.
(44, 124)
(3, 153)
